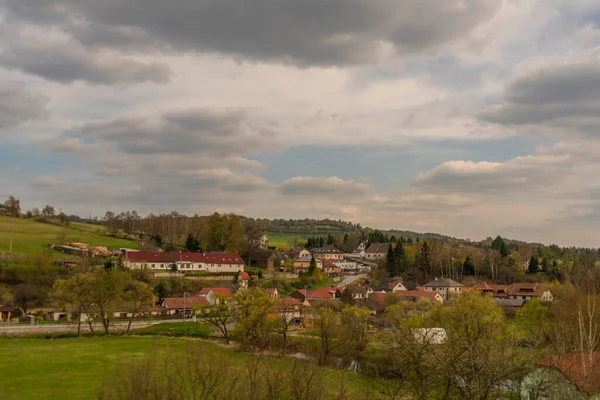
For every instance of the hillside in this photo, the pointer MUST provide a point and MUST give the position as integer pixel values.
(30, 236)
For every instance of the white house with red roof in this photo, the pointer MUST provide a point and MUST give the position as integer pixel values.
(185, 261)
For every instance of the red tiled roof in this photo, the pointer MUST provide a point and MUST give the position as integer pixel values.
(222, 291)
(329, 264)
(173, 256)
(377, 298)
(270, 291)
(322, 293)
(216, 290)
(244, 275)
(392, 284)
(178, 302)
(581, 369)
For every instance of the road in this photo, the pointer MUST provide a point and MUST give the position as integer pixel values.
(349, 279)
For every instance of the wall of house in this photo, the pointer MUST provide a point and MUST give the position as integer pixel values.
(186, 266)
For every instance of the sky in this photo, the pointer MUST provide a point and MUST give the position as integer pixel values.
(470, 118)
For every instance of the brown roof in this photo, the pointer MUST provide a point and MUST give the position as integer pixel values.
(377, 298)
(173, 256)
(327, 249)
(416, 294)
(178, 302)
(270, 291)
(527, 289)
(322, 293)
(378, 248)
(288, 303)
(216, 290)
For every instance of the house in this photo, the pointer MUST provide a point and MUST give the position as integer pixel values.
(269, 259)
(299, 253)
(327, 252)
(572, 376)
(416, 295)
(6, 312)
(180, 305)
(346, 265)
(528, 291)
(396, 285)
(376, 302)
(525, 261)
(243, 280)
(302, 264)
(330, 268)
(272, 293)
(4, 211)
(317, 294)
(211, 293)
(289, 308)
(183, 261)
(377, 251)
(444, 286)
(360, 292)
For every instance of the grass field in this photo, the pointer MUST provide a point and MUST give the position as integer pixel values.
(30, 237)
(283, 241)
(74, 369)
(189, 329)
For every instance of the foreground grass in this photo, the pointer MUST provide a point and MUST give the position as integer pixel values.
(69, 368)
(73, 369)
(31, 237)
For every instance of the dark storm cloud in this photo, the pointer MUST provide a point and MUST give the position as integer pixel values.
(304, 32)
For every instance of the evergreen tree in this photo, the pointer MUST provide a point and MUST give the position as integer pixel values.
(391, 262)
(468, 267)
(399, 258)
(191, 243)
(312, 268)
(424, 260)
(345, 238)
(321, 241)
(418, 240)
(160, 290)
(500, 245)
(409, 240)
(393, 239)
(330, 239)
(533, 265)
(545, 265)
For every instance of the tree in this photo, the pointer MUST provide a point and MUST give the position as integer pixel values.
(219, 315)
(135, 299)
(330, 239)
(48, 212)
(533, 264)
(354, 336)
(399, 259)
(191, 243)
(160, 290)
(13, 206)
(499, 245)
(75, 292)
(545, 265)
(480, 352)
(327, 327)
(106, 290)
(391, 262)
(253, 310)
(468, 267)
(312, 268)
(424, 260)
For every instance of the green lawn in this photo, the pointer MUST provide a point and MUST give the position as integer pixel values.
(189, 329)
(30, 236)
(73, 369)
(66, 369)
(284, 241)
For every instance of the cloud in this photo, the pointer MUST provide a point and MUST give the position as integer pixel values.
(315, 186)
(562, 98)
(18, 106)
(304, 32)
(207, 131)
(68, 61)
(518, 174)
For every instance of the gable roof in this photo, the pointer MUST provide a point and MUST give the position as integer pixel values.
(270, 291)
(378, 248)
(443, 282)
(322, 293)
(527, 289)
(377, 299)
(222, 291)
(329, 264)
(287, 303)
(178, 302)
(327, 249)
(174, 256)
